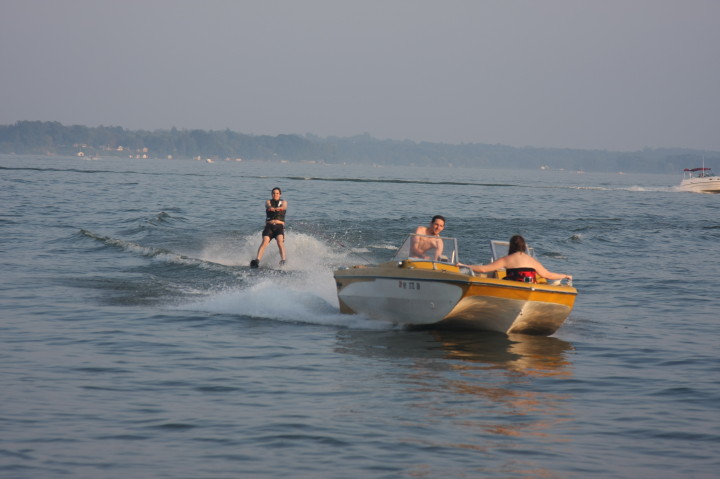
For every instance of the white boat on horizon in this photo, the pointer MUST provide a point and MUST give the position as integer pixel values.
(413, 291)
(700, 180)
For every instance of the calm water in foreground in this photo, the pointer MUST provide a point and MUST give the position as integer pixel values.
(135, 342)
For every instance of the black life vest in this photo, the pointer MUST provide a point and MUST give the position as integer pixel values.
(275, 215)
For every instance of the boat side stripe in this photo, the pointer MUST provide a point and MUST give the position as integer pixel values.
(458, 281)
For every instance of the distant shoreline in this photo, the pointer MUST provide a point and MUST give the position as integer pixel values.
(54, 138)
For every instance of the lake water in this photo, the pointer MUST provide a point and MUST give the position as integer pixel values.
(135, 342)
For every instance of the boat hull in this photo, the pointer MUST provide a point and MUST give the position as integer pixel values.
(701, 185)
(427, 293)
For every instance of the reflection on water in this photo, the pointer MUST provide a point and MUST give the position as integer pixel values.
(492, 387)
(530, 355)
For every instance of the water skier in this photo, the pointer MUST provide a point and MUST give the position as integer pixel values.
(275, 209)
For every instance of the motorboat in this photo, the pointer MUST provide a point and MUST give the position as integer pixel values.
(434, 289)
(700, 180)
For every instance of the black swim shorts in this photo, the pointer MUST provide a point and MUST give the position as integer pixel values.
(273, 230)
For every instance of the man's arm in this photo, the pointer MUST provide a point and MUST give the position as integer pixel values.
(439, 244)
(415, 242)
(415, 247)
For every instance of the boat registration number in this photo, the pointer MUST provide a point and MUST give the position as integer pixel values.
(408, 285)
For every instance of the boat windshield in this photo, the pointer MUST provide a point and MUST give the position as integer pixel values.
(433, 248)
(500, 249)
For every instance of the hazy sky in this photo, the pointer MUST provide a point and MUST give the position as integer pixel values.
(609, 74)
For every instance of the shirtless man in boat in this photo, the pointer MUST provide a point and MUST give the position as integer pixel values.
(421, 244)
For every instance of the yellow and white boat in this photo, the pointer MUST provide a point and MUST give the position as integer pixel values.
(415, 291)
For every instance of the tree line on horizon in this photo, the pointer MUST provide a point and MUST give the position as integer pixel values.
(54, 138)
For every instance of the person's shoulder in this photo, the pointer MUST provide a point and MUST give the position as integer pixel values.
(533, 260)
(502, 261)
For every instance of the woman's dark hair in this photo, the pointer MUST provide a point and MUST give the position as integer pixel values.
(517, 243)
(276, 188)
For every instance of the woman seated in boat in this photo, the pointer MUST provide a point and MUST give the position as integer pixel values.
(519, 266)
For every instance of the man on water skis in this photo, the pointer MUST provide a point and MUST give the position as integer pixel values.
(275, 209)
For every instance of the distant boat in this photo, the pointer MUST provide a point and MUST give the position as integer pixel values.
(700, 180)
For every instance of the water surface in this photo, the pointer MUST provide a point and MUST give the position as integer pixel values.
(135, 342)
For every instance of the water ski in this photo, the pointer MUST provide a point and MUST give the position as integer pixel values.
(254, 263)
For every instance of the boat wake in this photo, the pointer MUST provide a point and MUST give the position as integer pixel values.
(654, 189)
(295, 299)
(214, 277)
(633, 188)
(148, 251)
